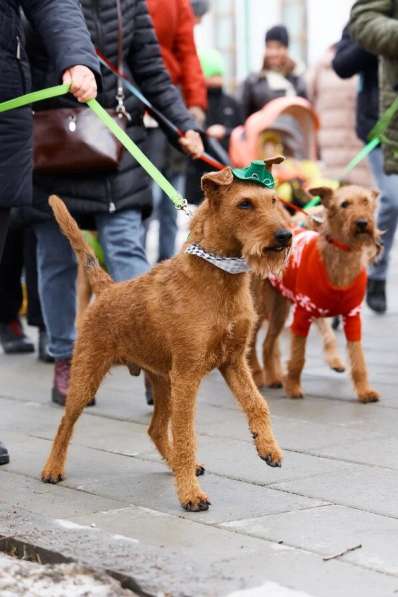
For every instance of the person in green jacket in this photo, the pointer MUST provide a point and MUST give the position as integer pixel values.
(374, 25)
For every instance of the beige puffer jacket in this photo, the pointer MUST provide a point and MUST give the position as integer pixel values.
(335, 101)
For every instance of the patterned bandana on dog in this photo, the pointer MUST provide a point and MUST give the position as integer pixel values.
(231, 265)
(256, 172)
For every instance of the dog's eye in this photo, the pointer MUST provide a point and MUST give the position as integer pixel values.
(245, 204)
(345, 204)
(273, 200)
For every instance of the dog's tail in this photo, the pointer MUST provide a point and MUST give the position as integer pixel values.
(98, 278)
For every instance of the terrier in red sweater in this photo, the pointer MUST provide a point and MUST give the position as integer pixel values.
(325, 276)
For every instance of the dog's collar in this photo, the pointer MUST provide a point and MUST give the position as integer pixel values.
(231, 265)
(337, 243)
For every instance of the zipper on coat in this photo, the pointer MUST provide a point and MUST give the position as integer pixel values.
(18, 54)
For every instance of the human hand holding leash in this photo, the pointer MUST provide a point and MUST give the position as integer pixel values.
(192, 144)
(82, 82)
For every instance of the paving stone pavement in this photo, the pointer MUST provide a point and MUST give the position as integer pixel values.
(267, 531)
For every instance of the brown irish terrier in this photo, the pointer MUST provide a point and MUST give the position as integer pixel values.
(179, 322)
(325, 276)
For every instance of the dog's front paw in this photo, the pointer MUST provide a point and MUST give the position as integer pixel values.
(293, 389)
(52, 475)
(368, 396)
(336, 364)
(196, 503)
(270, 453)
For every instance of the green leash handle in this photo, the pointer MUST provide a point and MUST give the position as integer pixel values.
(35, 96)
(128, 144)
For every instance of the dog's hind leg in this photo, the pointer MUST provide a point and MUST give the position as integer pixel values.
(86, 375)
(184, 386)
(238, 377)
(295, 367)
(254, 364)
(359, 373)
(279, 310)
(330, 351)
(159, 428)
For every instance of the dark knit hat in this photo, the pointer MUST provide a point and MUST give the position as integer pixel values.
(200, 7)
(278, 33)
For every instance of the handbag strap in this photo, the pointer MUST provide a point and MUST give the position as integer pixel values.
(120, 108)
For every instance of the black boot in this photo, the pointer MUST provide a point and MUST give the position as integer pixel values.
(4, 456)
(376, 295)
(44, 355)
(13, 338)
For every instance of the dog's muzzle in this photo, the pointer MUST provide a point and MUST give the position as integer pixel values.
(283, 240)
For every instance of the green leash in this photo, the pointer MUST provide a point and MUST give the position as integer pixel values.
(180, 203)
(128, 144)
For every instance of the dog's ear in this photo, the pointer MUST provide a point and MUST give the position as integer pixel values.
(212, 182)
(325, 193)
(277, 159)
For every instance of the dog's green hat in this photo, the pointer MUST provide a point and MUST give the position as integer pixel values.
(256, 172)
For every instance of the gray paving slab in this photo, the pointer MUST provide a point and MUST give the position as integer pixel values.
(330, 530)
(380, 452)
(20, 491)
(363, 487)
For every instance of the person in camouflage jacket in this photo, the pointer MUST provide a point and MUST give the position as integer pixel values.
(374, 26)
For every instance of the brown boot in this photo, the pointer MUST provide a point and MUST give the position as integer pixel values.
(61, 382)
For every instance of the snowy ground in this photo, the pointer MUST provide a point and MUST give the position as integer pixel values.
(19, 578)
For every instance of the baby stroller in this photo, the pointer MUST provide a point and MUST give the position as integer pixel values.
(286, 126)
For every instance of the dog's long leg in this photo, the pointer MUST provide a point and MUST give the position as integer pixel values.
(359, 373)
(238, 377)
(86, 375)
(183, 399)
(255, 366)
(278, 312)
(332, 356)
(159, 428)
(295, 367)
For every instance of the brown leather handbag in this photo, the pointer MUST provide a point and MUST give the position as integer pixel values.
(74, 140)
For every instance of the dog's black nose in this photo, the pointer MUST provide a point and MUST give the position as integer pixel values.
(283, 236)
(361, 224)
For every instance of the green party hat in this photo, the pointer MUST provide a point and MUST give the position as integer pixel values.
(256, 172)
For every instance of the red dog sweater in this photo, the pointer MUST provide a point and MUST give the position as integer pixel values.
(305, 282)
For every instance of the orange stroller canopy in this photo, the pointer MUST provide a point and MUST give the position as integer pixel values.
(292, 119)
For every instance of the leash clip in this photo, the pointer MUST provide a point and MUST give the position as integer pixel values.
(121, 108)
(184, 207)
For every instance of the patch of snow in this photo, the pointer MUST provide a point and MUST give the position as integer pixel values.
(269, 589)
(68, 524)
(21, 579)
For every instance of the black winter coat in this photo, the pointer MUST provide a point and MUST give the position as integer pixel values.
(62, 28)
(350, 59)
(257, 91)
(129, 186)
(222, 109)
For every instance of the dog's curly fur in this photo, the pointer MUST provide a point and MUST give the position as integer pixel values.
(178, 322)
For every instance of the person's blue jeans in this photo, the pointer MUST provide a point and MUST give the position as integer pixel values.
(166, 213)
(387, 219)
(120, 235)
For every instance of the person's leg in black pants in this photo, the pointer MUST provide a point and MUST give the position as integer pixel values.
(12, 337)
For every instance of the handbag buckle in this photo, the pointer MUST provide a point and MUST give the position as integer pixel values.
(121, 108)
(72, 123)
